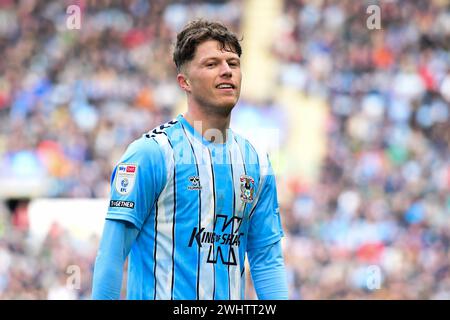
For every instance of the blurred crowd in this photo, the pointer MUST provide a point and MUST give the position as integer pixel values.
(57, 267)
(376, 225)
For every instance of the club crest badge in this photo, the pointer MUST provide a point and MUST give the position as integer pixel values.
(247, 188)
(125, 177)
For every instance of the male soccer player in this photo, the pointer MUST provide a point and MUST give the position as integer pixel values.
(190, 198)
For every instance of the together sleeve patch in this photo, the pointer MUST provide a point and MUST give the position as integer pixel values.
(121, 204)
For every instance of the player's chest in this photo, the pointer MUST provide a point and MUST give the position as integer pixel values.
(216, 188)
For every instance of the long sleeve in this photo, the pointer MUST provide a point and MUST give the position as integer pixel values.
(117, 238)
(268, 272)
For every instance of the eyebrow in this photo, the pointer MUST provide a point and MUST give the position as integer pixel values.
(204, 60)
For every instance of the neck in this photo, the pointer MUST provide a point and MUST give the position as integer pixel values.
(213, 127)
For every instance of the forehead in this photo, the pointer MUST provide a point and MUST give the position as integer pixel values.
(211, 49)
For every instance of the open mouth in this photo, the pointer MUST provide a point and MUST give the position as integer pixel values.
(225, 86)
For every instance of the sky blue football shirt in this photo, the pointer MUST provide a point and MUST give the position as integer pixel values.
(199, 206)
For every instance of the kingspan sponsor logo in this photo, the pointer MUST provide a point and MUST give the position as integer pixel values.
(219, 238)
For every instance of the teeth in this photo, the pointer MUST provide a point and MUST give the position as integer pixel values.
(224, 86)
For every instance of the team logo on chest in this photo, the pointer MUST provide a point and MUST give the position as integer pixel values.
(195, 183)
(247, 188)
(126, 175)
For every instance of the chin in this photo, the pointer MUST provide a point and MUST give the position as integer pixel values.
(228, 106)
(228, 103)
(224, 109)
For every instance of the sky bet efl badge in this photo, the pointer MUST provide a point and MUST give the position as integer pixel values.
(247, 188)
(126, 174)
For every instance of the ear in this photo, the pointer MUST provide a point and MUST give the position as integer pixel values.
(183, 82)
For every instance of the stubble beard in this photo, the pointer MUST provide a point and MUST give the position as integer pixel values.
(214, 109)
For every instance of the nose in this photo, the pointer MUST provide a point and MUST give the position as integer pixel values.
(225, 70)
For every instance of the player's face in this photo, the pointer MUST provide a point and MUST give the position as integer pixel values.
(214, 77)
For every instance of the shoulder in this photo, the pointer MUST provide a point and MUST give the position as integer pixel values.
(155, 139)
(143, 146)
(253, 153)
(162, 132)
(153, 144)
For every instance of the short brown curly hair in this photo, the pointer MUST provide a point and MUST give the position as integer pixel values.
(199, 31)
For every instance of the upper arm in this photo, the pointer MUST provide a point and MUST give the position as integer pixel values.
(136, 182)
(268, 272)
(265, 223)
(117, 239)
